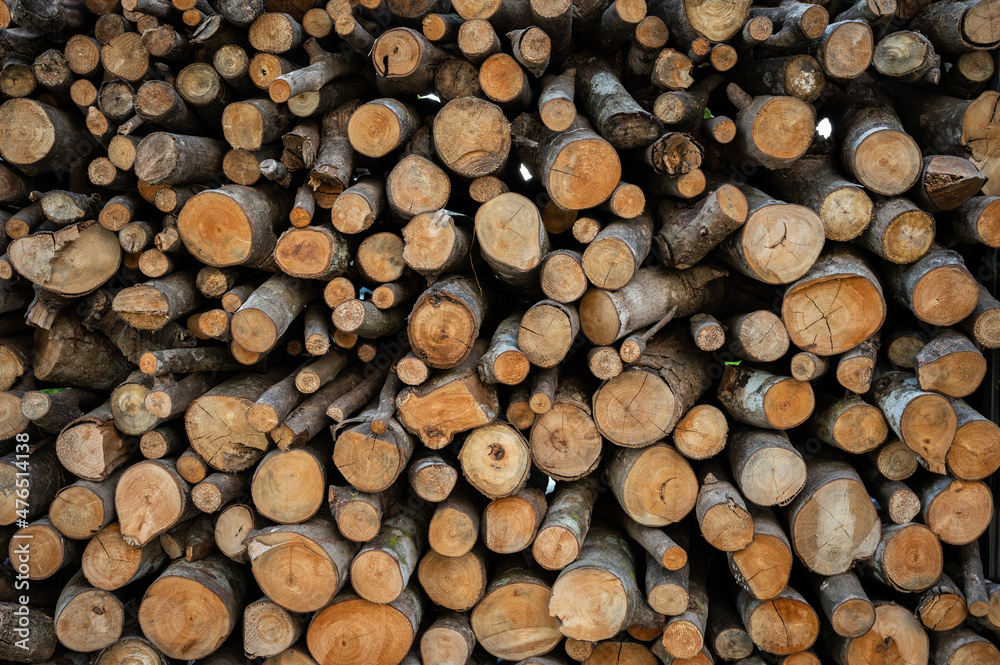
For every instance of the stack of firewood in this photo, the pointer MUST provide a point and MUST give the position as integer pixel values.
(449, 331)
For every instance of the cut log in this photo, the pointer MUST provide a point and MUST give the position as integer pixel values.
(842, 292)
(766, 247)
(596, 596)
(431, 476)
(110, 563)
(908, 558)
(689, 233)
(638, 476)
(783, 625)
(81, 510)
(445, 322)
(301, 567)
(856, 366)
(942, 607)
(832, 522)
(382, 568)
(949, 364)
(721, 512)
(212, 590)
(358, 514)
(343, 631)
(764, 566)
(896, 633)
(702, 432)
(850, 424)
(150, 498)
(269, 629)
(957, 511)
(456, 583)
(761, 399)
(516, 263)
(772, 131)
(926, 422)
(845, 604)
(565, 443)
(454, 527)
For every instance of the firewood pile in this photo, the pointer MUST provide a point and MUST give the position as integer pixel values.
(449, 331)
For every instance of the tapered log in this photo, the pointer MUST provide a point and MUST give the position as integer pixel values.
(637, 476)
(269, 629)
(343, 631)
(314, 560)
(973, 580)
(561, 535)
(212, 590)
(849, 529)
(241, 446)
(456, 583)
(721, 512)
(784, 625)
(844, 602)
(957, 511)
(578, 168)
(556, 106)
(758, 251)
(110, 563)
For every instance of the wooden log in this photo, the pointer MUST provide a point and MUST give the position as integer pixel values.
(752, 251)
(845, 604)
(617, 117)
(873, 136)
(509, 524)
(621, 405)
(269, 629)
(942, 498)
(192, 540)
(312, 551)
(546, 332)
(565, 443)
(431, 476)
(352, 618)
(777, 145)
(896, 500)
(895, 460)
(110, 563)
(958, 645)
(90, 446)
(41, 551)
(850, 424)
(768, 470)
(218, 489)
(456, 583)
(458, 391)
(434, 244)
(416, 185)
(71, 261)
(616, 254)
(726, 635)
(949, 364)
(58, 136)
(268, 313)
(214, 589)
(87, 619)
(448, 640)
(761, 399)
(605, 557)
(942, 607)
(973, 583)
(688, 233)
(382, 568)
(608, 316)
(834, 488)
(445, 322)
(578, 168)
(923, 421)
(908, 558)
(515, 262)
(636, 476)
(721, 512)
(228, 403)
(894, 625)
(784, 625)
(150, 498)
(247, 239)
(387, 455)
(232, 528)
(856, 366)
